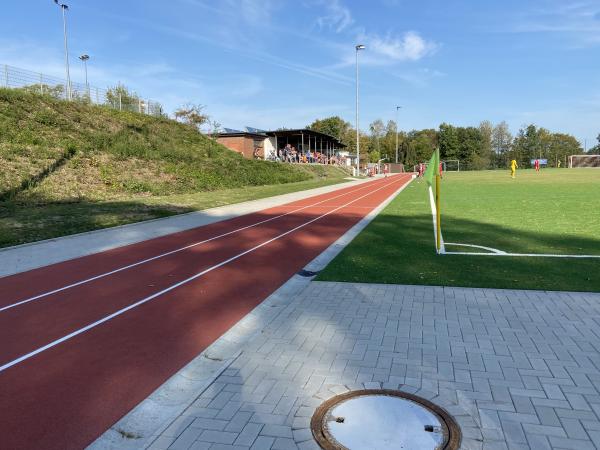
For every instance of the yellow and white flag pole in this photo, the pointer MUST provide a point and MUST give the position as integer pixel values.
(433, 169)
(438, 212)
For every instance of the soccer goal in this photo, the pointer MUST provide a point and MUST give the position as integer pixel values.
(592, 161)
(451, 165)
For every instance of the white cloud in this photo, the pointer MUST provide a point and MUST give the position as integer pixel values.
(338, 16)
(387, 50)
(409, 47)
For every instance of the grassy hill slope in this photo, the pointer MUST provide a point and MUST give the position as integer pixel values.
(67, 167)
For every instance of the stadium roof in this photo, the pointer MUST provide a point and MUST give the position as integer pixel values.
(255, 132)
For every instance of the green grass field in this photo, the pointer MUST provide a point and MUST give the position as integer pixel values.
(556, 211)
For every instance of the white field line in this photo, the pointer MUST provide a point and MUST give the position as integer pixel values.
(162, 255)
(529, 255)
(490, 249)
(434, 217)
(175, 286)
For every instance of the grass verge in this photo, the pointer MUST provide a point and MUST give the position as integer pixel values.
(555, 211)
(21, 223)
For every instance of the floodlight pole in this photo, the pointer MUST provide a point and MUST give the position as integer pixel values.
(358, 48)
(85, 59)
(397, 108)
(65, 7)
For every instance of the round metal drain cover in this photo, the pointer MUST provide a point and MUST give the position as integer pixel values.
(383, 420)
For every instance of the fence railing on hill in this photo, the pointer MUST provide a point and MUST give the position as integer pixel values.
(16, 78)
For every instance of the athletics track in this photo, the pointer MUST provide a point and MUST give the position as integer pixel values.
(84, 341)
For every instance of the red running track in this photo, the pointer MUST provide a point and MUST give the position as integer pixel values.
(74, 361)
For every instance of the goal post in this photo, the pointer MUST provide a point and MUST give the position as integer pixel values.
(451, 165)
(584, 161)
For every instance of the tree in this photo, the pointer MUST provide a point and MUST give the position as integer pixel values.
(559, 146)
(501, 144)
(595, 150)
(533, 143)
(449, 142)
(526, 145)
(388, 141)
(486, 129)
(377, 129)
(192, 115)
(467, 144)
(333, 126)
(56, 91)
(420, 145)
(120, 97)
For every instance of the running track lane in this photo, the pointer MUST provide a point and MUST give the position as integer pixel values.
(69, 394)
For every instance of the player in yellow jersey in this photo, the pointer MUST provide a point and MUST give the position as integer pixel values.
(513, 168)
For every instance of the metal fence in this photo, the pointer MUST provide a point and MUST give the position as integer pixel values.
(16, 78)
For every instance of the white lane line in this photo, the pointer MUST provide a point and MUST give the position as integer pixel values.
(130, 266)
(176, 285)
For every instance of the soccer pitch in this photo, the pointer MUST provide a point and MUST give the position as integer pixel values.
(555, 211)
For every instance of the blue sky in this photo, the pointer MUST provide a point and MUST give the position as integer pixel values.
(277, 63)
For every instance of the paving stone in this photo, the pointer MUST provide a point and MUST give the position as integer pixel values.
(277, 431)
(185, 439)
(199, 445)
(262, 443)
(517, 369)
(209, 424)
(284, 444)
(218, 437)
(249, 434)
(304, 434)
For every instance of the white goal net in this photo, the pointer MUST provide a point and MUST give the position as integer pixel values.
(451, 165)
(584, 161)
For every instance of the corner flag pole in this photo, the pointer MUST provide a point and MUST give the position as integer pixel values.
(438, 231)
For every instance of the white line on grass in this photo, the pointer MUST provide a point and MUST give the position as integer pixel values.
(490, 249)
(176, 285)
(130, 266)
(434, 217)
(533, 255)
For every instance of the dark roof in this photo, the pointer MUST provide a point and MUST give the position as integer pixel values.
(300, 131)
(280, 133)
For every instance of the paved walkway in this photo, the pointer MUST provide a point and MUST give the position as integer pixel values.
(38, 254)
(517, 369)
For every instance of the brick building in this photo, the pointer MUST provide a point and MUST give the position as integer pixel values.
(269, 143)
(243, 142)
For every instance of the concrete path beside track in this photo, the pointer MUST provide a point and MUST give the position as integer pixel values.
(86, 340)
(51, 251)
(516, 369)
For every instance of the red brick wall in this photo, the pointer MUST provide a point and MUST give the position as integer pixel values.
(240, 144)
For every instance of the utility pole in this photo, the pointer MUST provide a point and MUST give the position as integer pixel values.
(397, 108)
(358, 48)
(64, 8)
(85, 59)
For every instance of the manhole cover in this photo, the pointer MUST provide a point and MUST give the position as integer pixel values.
(383, 420)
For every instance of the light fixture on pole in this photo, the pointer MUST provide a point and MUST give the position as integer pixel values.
(358, 48)
(397, 109)
(64, 8)
(85, 59)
